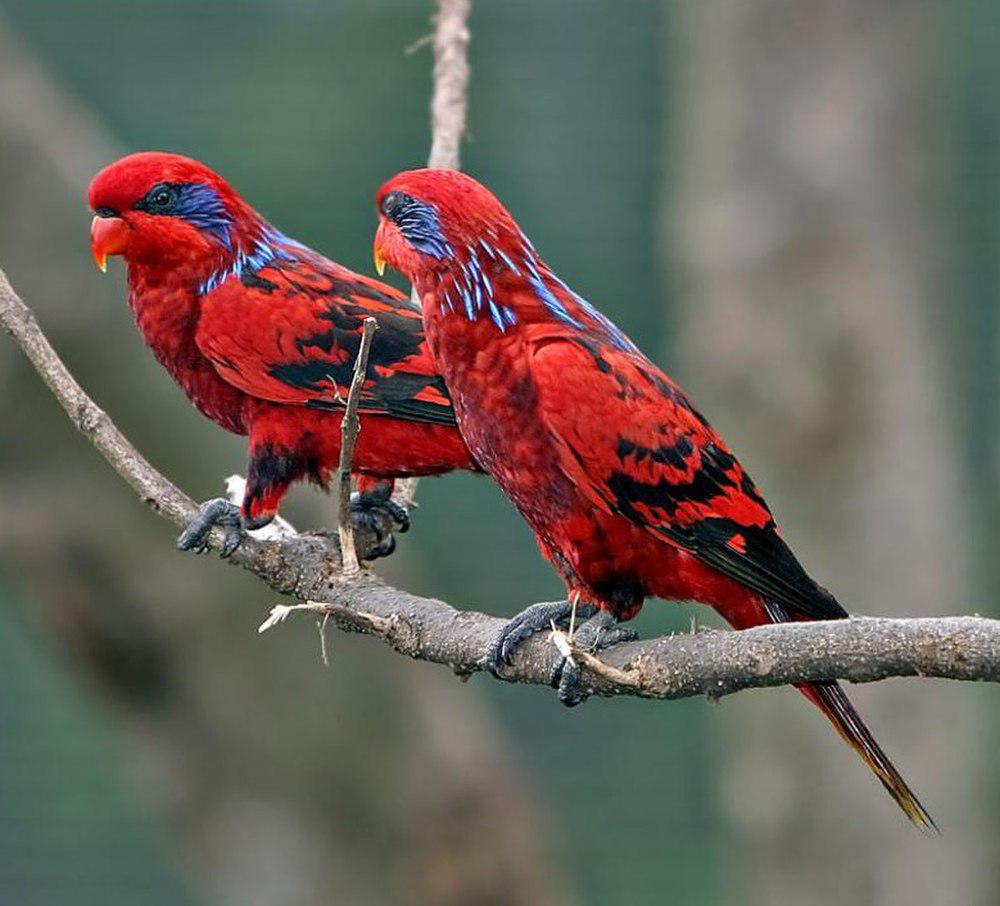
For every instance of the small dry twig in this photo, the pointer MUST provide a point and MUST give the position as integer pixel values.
(281, 612)
(350, 428)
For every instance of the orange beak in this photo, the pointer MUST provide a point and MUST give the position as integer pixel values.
(378, 252)
(108, 236)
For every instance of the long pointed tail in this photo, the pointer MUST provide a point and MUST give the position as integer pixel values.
(830, 698)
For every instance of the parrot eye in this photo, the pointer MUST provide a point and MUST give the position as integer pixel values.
(159, 200)
(392, 203)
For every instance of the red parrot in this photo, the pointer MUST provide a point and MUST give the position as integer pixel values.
(629, 490)
(262, 334)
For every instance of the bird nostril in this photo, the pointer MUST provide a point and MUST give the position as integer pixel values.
(106, 212)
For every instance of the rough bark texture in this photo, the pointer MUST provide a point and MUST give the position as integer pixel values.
(805, 238)
(308, 566)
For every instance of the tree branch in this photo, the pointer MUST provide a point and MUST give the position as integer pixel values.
(154, 490)
(448, 105)
(308, 567)
(710, 663)
(451, 83)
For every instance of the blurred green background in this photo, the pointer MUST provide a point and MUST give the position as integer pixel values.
(792, 206)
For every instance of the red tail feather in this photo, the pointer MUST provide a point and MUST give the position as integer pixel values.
(830, 698)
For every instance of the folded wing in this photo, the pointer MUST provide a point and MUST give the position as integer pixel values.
(289, 332)
(636, 446)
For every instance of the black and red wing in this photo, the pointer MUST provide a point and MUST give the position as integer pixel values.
(651, 457)
(289, 332)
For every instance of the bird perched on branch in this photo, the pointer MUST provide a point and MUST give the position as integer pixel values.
(261, 332)
(629, 490)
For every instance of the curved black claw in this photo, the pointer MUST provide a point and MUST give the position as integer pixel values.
(376, 512)
(216, 512)
(536, 618)
(599, 632)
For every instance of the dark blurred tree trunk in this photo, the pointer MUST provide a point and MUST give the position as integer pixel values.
(378, 780)
(803, 245)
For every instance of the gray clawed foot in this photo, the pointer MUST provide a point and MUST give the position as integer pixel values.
(376, 512)
(536, 618)
(217, 512)
(599, 632)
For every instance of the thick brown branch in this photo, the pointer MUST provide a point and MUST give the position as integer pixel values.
(308, 567)
(710, 663)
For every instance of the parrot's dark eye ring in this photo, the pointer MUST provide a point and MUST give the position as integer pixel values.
(392, 203)
(159, 200)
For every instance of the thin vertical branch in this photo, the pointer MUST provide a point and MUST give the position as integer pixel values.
(350, 428)
(451, 83)
(448, 117)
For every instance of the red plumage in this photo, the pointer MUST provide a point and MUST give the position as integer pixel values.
(262, 333)
(629, 490)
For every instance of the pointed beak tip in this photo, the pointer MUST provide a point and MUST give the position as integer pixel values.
(108, 236)
(378, 250)
(378, 257)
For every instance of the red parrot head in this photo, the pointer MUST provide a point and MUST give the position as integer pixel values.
(154, 208)
(452, 237)
(459, 245)
(428, 219)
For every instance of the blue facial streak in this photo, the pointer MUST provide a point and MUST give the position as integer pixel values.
(420, 224)
(612, 331)
(475, 288)
(272, 245)
(201, 205)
